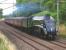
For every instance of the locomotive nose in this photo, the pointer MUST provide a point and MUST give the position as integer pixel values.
(52, 29)
(51, 35)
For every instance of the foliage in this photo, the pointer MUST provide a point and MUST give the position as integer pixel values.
(50, 4)
(63, 12)
(1, 13)
(26, 1)
(27, 9)
(52, 7)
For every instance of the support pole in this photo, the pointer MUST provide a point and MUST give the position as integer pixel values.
(58, 16)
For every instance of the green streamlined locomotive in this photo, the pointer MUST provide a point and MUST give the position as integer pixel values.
(46, 27)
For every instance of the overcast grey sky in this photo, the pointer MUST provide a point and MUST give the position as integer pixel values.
(7, 6)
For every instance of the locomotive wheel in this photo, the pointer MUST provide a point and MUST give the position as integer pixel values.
(51, 37)
(32, 30)
(42, 34)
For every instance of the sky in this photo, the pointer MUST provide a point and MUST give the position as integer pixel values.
(7, 6)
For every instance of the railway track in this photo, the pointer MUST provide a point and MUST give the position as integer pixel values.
(34, 42)
(28, 41)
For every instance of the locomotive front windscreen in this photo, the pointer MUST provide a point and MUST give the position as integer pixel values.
(37, 20)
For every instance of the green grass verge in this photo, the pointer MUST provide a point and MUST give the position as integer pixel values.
(62, 36)
(62, 30)
(5, 43)
(2, 45)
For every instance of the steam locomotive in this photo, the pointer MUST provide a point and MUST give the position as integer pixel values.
(47, 29)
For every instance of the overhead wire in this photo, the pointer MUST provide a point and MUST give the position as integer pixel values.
(4, 1)
(7, 3)
(9, 7)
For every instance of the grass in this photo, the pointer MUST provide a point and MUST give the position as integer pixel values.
(2, 46)
(62, 31)
(5, 44)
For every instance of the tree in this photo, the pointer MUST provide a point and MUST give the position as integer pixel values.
(26, 1)
(63, 11)
(52, 6)
(1, 14)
